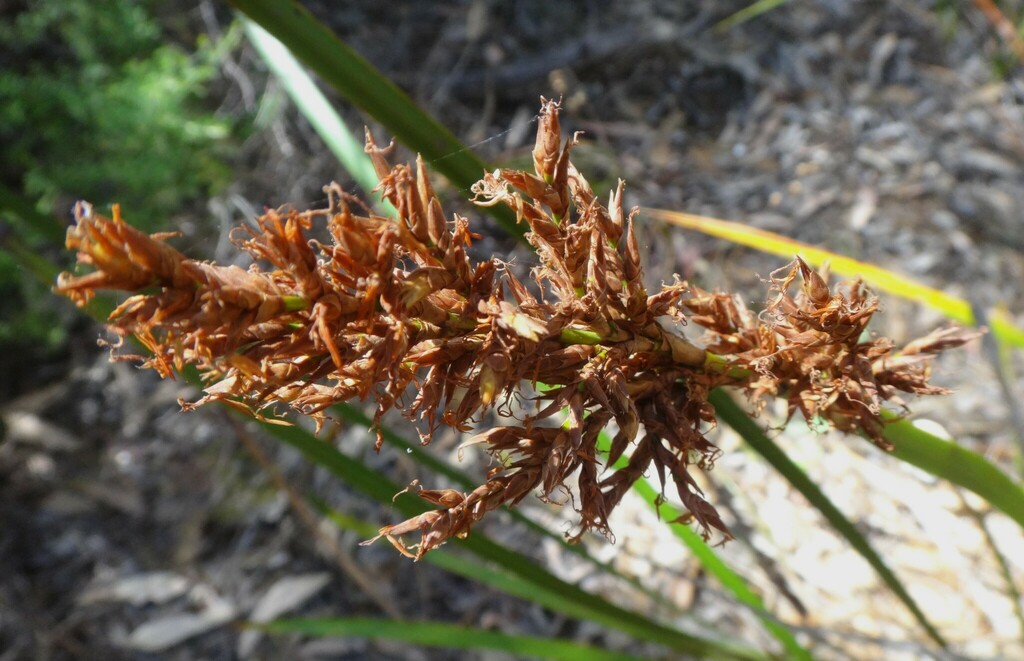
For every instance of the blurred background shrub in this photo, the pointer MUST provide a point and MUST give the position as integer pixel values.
(101, 102)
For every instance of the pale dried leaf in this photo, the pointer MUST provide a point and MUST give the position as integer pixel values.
(164, 632)
(156, 587)
(284, 596)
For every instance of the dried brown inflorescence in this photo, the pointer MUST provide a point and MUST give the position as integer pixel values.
(393, 306)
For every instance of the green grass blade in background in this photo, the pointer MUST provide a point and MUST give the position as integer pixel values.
(361, 83)
(467, 566)
(21, 228)
(955, 308)
(714, 565)
(729, 411)
(748, 13)
(354, 415)
(448, 636)
(608, 614)
(315, 107)
(956, 464)
(461, 564)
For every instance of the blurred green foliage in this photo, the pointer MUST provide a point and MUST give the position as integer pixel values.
(100, 104)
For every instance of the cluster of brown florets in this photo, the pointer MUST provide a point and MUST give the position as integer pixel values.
(394, 310)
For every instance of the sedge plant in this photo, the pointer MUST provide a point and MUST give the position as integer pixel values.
(394, 310)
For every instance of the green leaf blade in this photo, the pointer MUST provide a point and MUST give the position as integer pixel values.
(710, 560)
(315, 107)
(450, 636)
(729, 579)
(730, 412)
(957, 464)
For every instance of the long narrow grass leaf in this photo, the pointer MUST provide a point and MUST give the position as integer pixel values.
(748, 13)
(45, 272)
(445, 635)
(602, 612)
(956, 464)
(714, 565)
(953, 307)
(1004, 567)
(40, 268)
(315, 107)
(362, 84)
(729, 411)
(467, 566)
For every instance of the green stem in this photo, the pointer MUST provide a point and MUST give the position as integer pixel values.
(295, 303)
(580, 336)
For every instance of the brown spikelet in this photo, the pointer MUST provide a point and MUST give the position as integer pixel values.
(547, 149)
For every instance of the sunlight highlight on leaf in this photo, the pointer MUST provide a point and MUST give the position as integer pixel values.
(955, 308)
(315, 107)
